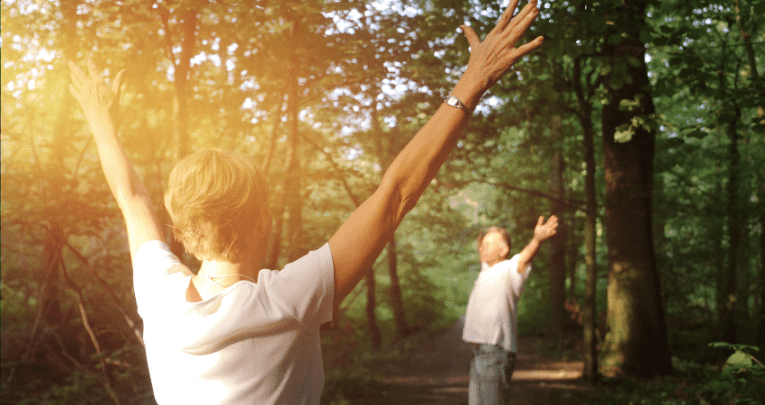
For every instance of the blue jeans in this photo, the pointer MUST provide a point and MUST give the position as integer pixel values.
(490, 373)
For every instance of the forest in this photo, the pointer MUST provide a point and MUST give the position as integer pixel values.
(640, 124)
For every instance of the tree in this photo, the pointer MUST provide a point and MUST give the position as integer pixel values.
(636, 343)
(707, 83)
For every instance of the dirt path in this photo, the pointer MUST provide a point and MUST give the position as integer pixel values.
(438, 374)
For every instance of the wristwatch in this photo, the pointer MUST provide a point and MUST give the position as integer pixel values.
(456, 103)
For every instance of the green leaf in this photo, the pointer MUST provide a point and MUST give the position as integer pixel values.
(693, 34)
(674, 142)
(665, 29)
(758, 8)
(662, 89)
(697, 133)
(757, 127)
(623, 133)
(740, 359)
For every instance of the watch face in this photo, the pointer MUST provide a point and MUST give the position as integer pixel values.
(456, 103)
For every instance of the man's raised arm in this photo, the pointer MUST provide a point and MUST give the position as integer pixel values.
(542, 231)
(359, 241)
(97, 101)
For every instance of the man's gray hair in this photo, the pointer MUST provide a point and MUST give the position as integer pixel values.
(501, 231)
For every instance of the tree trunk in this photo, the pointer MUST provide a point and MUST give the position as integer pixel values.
(275, 241)
(558, 245)
(751, 58)
(396, 301)
(292, 199)
(636, 343)
(277, 118)
(731, 297)
(589, 312)
(761, 312)
(374, 330)
(721, 298)
(180, 112)
(181, 85)
(55, 177)
(48, 278)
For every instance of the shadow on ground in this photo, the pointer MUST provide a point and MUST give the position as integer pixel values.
(437, 373)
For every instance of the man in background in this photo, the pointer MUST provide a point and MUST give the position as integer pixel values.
(492, 312)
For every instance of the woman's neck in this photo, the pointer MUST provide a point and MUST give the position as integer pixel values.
(228, 272)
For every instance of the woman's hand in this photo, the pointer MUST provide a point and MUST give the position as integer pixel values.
(96, 98)
(492, 58)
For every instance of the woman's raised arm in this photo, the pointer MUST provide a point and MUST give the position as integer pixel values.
(359, 241)
(98, 102)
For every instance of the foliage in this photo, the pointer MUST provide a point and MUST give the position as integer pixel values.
(367, 78)
(738, 381)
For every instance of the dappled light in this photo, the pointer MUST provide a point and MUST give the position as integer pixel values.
(639, 125)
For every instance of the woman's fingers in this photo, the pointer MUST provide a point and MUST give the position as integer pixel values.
(75, 93)
(117, 85)
(521, 23)
(507, 16)
(76, 74)
(528, 9)
(472, 37)
(522, 50)
(526, 17)
(92, 92)
(93, 71)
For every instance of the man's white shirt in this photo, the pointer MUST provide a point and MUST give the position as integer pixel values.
(492, 311)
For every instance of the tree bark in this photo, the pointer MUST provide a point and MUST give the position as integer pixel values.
(761, 312)
(731, 297)
(55, 177)
(721, 299)
(636, 343)
(180, 112)
(292, 187)
(374, 330)
(396, 301)
(275, 242)
(181, 84)
(589, 312)
(558, 242)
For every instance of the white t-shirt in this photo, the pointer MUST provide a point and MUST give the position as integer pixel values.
(492, 311)
(253, 343)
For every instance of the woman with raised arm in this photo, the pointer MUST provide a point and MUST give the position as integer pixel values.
(234, 333)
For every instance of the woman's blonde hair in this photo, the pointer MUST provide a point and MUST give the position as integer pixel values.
(218, 201)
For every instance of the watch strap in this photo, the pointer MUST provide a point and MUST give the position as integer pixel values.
(456, 103)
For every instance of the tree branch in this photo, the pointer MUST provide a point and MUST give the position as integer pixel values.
(356, 200)
(41, 310)
(89, 329)
(574, 204)
(131, 323)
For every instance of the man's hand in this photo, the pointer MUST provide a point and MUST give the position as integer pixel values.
(493, 57)
(542, 231)
(545, 230)
(96, 98)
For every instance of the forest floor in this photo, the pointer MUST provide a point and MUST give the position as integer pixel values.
(437, 373)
